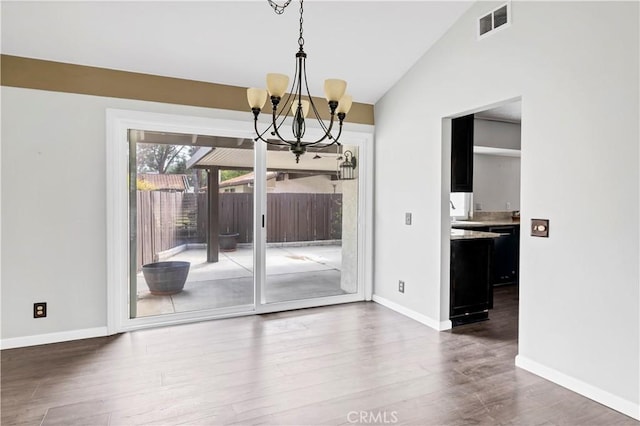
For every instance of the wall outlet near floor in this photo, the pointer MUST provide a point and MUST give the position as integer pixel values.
(40, 310)
(401, 286)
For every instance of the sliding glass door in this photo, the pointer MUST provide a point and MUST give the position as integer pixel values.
(191, 221)
(204, 226)
(311, 227)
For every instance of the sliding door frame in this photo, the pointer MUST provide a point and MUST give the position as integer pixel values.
(230, 124)
(262, 306)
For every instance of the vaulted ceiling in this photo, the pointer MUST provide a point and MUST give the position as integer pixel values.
(371, 44)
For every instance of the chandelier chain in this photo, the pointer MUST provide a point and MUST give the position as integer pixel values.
(301, 38)
(277, 8)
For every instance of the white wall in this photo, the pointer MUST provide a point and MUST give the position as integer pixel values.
(53, 193)
(496, 134)
(496, 182)
(575, 65)
(53, 216)
(496, 179)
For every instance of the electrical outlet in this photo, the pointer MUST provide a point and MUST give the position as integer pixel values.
(401, 286)
(407, 218)
(40, 310)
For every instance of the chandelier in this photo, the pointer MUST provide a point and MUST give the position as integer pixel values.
(299, 102)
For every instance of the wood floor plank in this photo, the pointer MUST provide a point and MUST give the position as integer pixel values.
(312, 366)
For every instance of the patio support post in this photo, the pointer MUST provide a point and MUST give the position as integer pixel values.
(213, 243)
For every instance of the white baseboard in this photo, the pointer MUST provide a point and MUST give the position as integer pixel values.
(429, 322)
(43, 339)
(603, 397)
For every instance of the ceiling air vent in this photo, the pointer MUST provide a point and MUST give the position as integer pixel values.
(498, 18)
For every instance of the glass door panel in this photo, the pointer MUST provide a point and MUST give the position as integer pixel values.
(311, 226)
(191, 223)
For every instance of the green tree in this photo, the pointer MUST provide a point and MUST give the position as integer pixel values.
(161, 158)
(143, 185)
(230, 174)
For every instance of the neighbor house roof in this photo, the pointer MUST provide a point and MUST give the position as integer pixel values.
(245, 179)
(165, 182)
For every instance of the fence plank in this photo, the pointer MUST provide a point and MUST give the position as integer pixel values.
(168, 219)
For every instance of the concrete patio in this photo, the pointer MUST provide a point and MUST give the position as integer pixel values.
(293, 273)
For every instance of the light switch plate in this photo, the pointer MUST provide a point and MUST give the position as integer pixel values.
(407, 218)
(540, 228)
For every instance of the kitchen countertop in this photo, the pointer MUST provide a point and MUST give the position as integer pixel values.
(463, 234)
(482, 223)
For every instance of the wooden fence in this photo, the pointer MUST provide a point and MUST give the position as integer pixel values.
(160, 215)
(168, 219)
(304, 217)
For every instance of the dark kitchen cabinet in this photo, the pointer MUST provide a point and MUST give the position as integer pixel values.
(506, 254)
(462, 154)
(471, 291)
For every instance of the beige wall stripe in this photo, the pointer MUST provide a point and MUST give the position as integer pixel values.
(61, 77)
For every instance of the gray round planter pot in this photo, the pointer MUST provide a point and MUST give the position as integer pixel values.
(165, 278)
(228, 242)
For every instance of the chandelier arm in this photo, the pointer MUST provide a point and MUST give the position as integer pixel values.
(282, 113)
(275, 143)
(335, 140)
(259, 135)
(298, 124)
(260, 138)
(275, 116)
(274, 123)
(313, 105)
(326, 135)
(275, 129)
(327, 132)
(285, 106)
(319, 120)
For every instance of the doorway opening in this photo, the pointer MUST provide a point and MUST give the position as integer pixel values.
(484, 213)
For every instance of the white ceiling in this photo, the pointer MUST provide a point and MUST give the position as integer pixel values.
(511, 112)
(371, 44)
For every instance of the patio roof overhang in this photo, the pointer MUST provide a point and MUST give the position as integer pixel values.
(238, 153)
(277, 160)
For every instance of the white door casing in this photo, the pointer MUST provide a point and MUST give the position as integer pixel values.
(118, 122)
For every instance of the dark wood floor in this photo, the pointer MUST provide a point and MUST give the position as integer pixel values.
(336, 365)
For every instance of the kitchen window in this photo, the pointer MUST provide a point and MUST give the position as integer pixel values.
(460, 204)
